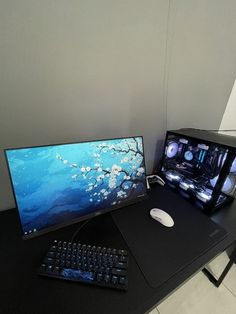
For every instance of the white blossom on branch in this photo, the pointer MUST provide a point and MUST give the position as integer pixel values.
(115, 172)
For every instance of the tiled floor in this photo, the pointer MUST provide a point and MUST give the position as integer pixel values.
(200, 296)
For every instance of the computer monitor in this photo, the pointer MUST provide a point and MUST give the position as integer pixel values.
(57, 185)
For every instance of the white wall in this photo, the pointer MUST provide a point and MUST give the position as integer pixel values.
(228, 121)
(86, 69)
(201, 62)
(80, 69)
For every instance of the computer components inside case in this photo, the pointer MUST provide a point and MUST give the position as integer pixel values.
(201, 170)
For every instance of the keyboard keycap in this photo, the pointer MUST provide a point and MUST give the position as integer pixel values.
(123, 258)
(51, 254)
(50, 268)
(114, 279)
(121, 265)
(107, 278)
(69, 273)
(122, 280)
(49, 260)
(43, 268)
(99, 277)
(119, 272)
(122, 252)
(56, 270)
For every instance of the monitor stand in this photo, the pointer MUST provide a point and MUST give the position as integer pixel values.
(100, 231)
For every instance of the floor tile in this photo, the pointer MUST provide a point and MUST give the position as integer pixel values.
(154, 311)
(216, 267)
(199, 295)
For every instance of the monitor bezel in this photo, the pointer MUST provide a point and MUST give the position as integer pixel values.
(84, 217)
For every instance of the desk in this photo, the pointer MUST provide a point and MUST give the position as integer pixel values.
(23, 291)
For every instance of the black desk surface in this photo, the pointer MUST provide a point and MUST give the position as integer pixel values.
(23, 291)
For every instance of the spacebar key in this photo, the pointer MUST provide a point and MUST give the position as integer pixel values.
(118, 271)
(79, 275)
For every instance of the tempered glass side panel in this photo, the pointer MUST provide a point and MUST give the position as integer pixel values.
(193, 167)
(229, 185)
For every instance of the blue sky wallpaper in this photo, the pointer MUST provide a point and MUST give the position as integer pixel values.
(56, 184)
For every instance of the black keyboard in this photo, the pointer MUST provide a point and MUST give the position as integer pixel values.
(102, 266)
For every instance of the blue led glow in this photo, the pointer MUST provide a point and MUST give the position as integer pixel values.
(188, 155)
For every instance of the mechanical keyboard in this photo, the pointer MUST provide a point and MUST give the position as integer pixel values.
(102, 266)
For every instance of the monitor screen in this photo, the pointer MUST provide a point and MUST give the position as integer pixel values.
(61, 184)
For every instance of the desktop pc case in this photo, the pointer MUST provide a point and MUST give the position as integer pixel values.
(201, 166)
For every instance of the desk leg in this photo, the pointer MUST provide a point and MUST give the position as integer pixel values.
(217, 282)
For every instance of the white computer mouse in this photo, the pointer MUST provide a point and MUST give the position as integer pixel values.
(162, 216)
